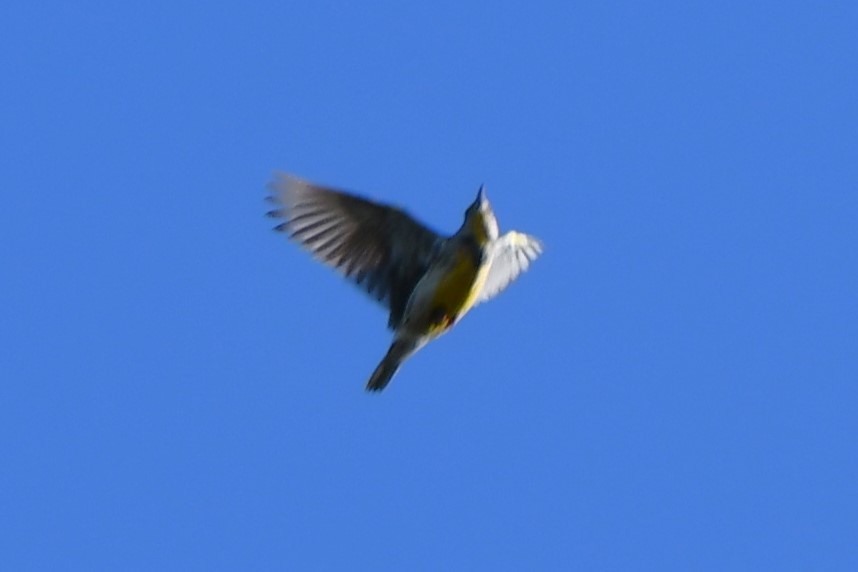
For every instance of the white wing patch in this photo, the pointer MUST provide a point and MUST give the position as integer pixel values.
(512, 254)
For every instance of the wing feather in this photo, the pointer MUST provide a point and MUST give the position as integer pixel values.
(512, 254)
(379, 247)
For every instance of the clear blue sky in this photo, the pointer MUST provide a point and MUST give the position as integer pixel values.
(672, 386)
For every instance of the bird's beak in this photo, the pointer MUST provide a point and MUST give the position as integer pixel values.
(481, 196)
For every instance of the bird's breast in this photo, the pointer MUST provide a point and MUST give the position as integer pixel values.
(446, 293)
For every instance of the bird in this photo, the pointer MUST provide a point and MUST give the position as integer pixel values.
(427, 281)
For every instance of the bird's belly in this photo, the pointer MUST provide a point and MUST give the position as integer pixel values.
(444, 295)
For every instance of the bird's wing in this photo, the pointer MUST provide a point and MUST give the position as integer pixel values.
(380, 248)
(512, 254)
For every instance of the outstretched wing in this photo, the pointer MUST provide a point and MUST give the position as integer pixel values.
(512, 254)
(380, 248)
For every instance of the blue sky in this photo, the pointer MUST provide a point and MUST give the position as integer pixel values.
(672, 386)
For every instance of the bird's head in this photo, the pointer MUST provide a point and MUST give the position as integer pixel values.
(480, 220)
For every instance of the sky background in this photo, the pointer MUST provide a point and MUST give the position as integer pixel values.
(672, 386)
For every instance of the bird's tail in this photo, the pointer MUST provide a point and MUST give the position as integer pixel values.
(399, 351)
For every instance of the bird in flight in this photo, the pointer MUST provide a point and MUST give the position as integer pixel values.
(427, 281)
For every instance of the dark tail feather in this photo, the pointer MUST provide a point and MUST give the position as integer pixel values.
(398, 352)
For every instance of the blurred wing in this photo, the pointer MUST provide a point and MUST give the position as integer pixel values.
(512, 254)
(380, 248)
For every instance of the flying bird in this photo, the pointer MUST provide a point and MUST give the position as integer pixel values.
(427, 281)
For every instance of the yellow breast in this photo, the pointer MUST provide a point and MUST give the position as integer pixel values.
(456, 291)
